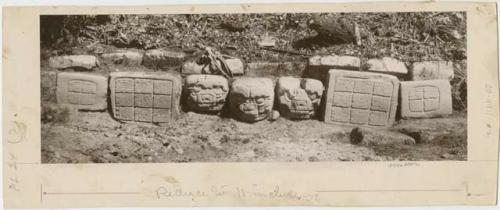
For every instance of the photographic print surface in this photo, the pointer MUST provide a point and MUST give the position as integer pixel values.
(263, 87)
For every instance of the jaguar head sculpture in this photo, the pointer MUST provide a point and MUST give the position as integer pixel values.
(206, 92)
(299, 98)
(252, 99)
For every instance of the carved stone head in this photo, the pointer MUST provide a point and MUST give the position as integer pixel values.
(252, 99)
(206, 92)
(299, 98)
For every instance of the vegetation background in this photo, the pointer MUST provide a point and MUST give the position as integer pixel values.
(409, 37)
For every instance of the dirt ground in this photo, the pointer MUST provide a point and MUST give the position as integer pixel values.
(95, 137)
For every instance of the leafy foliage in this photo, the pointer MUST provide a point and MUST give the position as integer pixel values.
(407, 36)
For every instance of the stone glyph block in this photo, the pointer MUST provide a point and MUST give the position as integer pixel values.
(145, 97)
(84, 91)
(87, 62)
(299, 98)
(206, 92)
(318, 66)
(432, 70)
(387, 65)
(162, 59)
(428, 98)
(251, 98)
(361, 98)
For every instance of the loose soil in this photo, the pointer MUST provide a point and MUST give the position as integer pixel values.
(95, 137)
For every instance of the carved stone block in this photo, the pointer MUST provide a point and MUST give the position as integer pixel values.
(318, 66)
(191, 67)
(361, 98)
(387, 65)
(74, 61)
(251, 98)
(145, 97)
(84, 91)
(162, 59)
(299, 98)
(428, 98)
(206, 92)
(432, 70)
(123, 57)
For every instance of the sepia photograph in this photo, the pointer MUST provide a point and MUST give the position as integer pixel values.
(256, 87)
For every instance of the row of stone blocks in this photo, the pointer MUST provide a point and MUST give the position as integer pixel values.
(317, 66)
(352, 97)
(153, 59)
(371, 99)
(134, 96)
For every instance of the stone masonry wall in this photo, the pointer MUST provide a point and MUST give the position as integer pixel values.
(353, 94)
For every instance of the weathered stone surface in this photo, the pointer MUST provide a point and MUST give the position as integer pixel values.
(84, 91)
(274, 115)
(206, 92)
(428, 98)
(432, 70)
(162, 59)
(74, 61)
(48, 84)
(334, 61)
(361, 98)
(251, 98)
(191, 67)
(275, 69)
(123, 57)
(374, 137)
(145, 97)
(318, 66)
(387, 65)
(299, 98)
